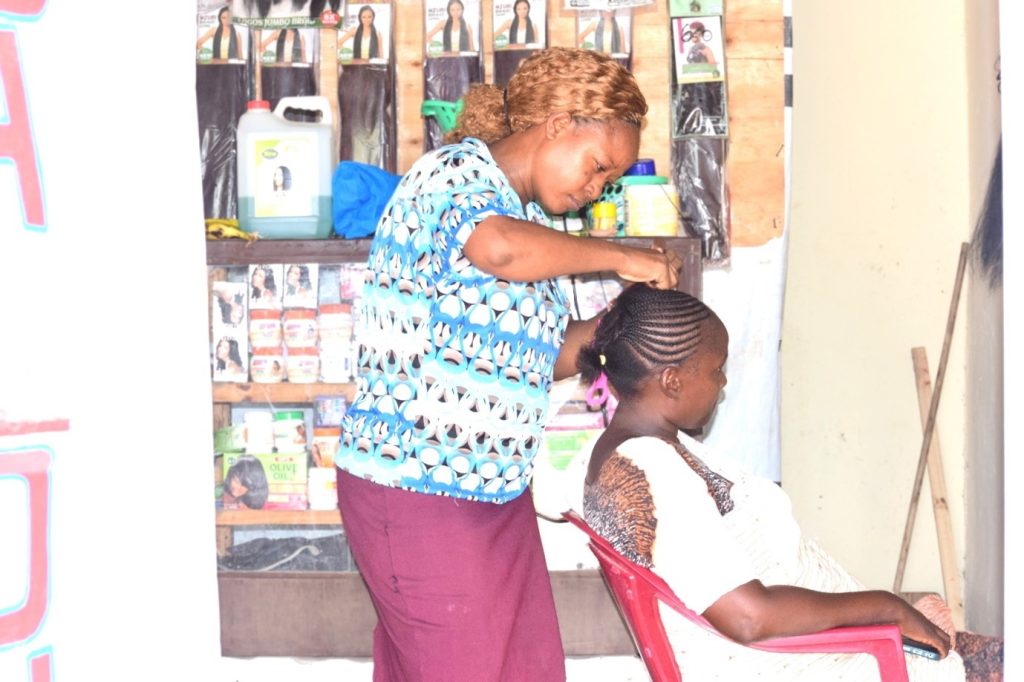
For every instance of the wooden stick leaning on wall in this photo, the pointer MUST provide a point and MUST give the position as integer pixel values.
(929, 428)
(937, 484)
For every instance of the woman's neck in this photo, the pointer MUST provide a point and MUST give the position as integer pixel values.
(514, 163)
(635, 422)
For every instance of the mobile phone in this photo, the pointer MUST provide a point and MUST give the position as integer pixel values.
(920, 649)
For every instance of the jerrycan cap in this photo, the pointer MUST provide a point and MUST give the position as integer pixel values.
(257, 104)
(641, 167)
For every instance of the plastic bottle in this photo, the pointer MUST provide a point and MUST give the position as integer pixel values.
(285, 170)
(652, 207)
(603, 219)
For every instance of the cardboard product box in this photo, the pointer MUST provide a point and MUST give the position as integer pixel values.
(262, 476)
(279, 467)
(229, 438)
(562, 445)
(291, 501)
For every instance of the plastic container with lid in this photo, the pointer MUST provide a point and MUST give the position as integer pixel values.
(603, 219)
(289, 431)
(335, 322)
(265, 328)
(641, 167)
(267, 365)
(326, 440)
(259, 431)
(616, 192)
(303, 365)
(322, 490)
(285, 169)
(300, 328)
(336, 361)
(652, 209)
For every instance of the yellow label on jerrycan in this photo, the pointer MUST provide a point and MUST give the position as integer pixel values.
(285, 169)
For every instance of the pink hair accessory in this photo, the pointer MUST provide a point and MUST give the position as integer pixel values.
(598, 393)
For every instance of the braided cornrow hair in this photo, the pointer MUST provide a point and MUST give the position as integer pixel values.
(589, 85)
(645, 330)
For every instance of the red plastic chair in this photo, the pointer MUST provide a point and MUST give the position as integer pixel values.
(638, 590)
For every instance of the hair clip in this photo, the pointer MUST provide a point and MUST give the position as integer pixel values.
(603, 359)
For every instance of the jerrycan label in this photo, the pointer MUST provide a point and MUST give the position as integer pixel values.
(285, 175)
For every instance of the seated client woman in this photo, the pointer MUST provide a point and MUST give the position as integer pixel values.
(724, 540)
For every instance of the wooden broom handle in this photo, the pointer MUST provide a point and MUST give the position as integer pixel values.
(929, 429)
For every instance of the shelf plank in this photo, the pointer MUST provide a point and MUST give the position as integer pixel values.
(264, 251)
(278, 517)
(228, 252)
(277, 393)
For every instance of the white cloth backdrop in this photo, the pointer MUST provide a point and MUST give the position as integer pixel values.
(105, 426)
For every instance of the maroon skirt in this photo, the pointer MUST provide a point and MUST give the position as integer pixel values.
(461, 588)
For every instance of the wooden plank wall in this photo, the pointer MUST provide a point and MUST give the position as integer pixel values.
(754, 68)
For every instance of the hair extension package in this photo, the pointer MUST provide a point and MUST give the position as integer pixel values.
(700, 125)
(222, 51)
(453, 57)
(366, 85)
(520, 28)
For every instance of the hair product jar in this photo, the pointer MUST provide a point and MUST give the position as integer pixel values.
(300, 328)
(267, 365)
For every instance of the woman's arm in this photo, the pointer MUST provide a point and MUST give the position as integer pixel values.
(349, 32)
(577, 334)
(521, 251)
(753, 612)
(504, 27)
(269, 39)
(586, 32)
(238, 41)
(206, 36)
(437, 27)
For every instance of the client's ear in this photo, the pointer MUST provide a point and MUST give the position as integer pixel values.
(671, 382)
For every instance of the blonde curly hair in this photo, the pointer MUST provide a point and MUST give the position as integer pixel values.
(588, 85)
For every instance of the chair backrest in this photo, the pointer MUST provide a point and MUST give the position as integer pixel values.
(637, 591)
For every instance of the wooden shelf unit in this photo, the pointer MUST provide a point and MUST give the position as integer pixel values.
(278, 517)
(236, 252)
(283, 392)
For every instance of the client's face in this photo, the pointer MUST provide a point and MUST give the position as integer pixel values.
(704, 378)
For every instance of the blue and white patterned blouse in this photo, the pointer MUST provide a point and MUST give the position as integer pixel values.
(454, 363)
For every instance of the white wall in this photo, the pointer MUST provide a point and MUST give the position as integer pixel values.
(1011, 17)
(983, 486)
(880, 203)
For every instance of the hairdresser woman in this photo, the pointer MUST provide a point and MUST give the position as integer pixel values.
(462, 331)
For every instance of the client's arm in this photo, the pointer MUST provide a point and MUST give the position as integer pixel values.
(753, 612)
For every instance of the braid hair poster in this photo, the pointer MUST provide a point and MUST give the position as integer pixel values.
(609, 31)
(453, 59)
(520, 29)
(366, 85)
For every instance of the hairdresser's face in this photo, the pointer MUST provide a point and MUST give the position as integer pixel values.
(576, 160)
(703, 377)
